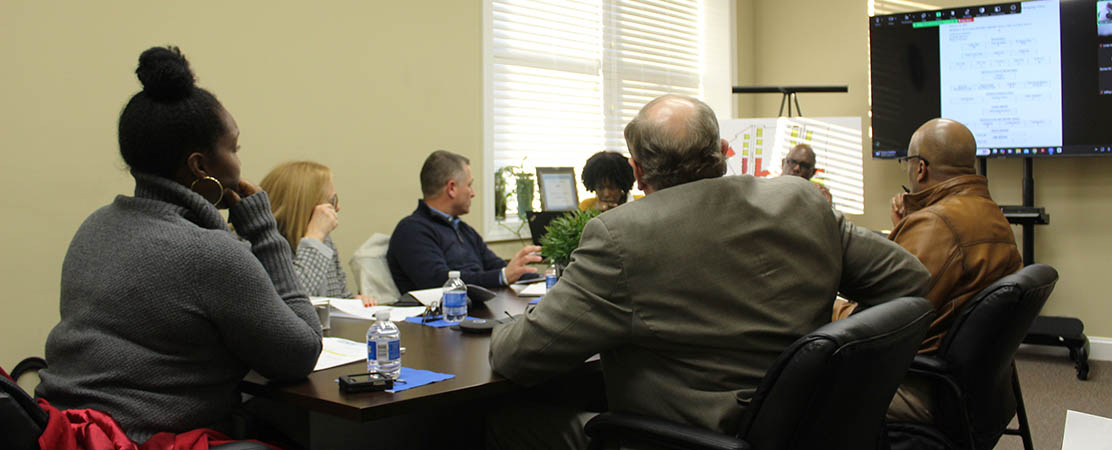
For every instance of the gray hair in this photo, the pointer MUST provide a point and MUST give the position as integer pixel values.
(676, 152)
(440, 167)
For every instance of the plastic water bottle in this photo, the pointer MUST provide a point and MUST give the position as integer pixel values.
(550, 277)
(384, 346)
(454, 301)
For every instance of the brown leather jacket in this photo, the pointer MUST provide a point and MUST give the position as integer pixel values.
(963, 239)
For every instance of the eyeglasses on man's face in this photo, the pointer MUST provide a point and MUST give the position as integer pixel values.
(802, 165)
(904, 159)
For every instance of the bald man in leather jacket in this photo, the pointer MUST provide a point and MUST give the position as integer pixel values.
(949, 221)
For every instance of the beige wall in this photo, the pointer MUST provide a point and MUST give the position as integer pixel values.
(369, 88)
(366, 87)
(825, 42)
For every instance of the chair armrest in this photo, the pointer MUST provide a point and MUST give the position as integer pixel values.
(935, 369)
(630, 427)
(29, 364)
(926, 363)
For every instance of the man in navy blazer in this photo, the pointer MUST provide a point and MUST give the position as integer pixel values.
(433, 240)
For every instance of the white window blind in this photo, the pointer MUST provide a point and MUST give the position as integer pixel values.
(881, 7)
(566, 76)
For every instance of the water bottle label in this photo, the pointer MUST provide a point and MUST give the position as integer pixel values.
(549, 281)
(455, 299)
(384, 351)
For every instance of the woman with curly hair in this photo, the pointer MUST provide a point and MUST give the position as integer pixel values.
(610, 177)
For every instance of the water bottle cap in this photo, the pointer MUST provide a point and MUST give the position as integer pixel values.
(453, 274)
(382, 314)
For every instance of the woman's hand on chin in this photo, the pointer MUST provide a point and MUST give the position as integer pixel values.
(236, 194)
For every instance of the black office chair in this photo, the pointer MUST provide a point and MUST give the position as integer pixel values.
(22, 421)
(830, 389)
(976, 387)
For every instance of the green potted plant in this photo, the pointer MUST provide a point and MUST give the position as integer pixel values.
(525, 184)
(562, 237)
(501, 197)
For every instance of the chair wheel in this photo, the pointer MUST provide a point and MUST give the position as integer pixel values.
(1082, 362)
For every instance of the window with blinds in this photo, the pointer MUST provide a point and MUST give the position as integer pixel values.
(881, 7)
(566, 76)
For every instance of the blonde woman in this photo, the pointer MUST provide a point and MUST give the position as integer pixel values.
(305, 204)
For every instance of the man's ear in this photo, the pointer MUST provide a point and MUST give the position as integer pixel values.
(450, 189)
(725, 147)
(921, 173)
(638, 174)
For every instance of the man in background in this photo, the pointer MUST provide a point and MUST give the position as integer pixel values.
(800, 162)
(686, 308)
(433, 240)
(949, 221)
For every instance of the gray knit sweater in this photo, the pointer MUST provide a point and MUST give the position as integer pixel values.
(163, 311)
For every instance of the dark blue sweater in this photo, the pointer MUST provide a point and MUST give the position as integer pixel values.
(424, 247)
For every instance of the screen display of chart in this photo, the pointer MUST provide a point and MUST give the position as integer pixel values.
(1028, 78)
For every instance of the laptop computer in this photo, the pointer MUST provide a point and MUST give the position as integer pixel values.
(538, 220)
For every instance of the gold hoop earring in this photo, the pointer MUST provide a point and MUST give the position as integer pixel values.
(219, 194)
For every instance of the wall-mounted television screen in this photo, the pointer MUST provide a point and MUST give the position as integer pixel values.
(1029, 78)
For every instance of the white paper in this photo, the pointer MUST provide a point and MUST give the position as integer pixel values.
(1086, 431)
(530, 290)
(353, 308)
(427, 296)
(340, 351)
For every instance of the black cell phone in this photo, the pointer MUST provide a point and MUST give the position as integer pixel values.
(365, 382)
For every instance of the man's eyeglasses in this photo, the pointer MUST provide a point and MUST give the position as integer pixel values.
(432, 312)
(803, 165)
(904, 159)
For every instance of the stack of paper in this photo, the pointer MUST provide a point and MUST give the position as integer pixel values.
(353, 308)
(339, 351)
(530, 290)
(427, 296)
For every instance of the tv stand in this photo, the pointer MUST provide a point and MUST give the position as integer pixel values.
(1045, 330)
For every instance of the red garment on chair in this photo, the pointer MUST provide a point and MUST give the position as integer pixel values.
(89, 429)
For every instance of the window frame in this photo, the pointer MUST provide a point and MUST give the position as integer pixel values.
(719, 19)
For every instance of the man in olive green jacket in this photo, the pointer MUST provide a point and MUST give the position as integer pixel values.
(692, 292)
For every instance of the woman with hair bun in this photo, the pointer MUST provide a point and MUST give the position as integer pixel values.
(305, 204)
(163, 308)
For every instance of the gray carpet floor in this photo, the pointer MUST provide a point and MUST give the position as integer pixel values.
(1050, 387)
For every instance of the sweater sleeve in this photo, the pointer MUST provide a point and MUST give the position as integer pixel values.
(491, 275)
(338, 282)
(311, 262)
(262, 313)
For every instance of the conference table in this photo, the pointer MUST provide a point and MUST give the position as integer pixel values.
(441, 350)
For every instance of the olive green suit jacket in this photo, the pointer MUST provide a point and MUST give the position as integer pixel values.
(691, 293)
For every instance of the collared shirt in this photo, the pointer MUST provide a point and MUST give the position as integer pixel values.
(454, 220)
